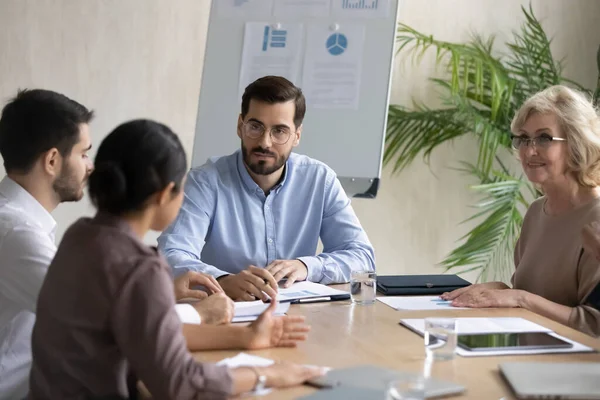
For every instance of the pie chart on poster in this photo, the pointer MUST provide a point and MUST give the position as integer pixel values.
(336, 44)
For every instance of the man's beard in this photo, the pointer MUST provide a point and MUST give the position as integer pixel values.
(261, 167)
(67, 187)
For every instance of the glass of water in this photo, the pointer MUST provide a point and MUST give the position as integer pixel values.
(362, 287)
(440, 338)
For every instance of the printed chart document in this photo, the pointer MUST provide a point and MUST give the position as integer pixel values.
(332, 66)
(418, 303)
(498, 325)
(310, 292)
(270, 49)
(302, 8)
(360, 8)
(244, 8)
(247, 311)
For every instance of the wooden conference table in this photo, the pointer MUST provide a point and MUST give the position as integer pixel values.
(343, 335)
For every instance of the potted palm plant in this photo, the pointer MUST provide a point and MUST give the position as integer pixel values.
(480, 95)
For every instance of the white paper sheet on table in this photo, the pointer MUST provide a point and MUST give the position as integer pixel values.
(417, 303)
(498, 325)
(248, 311)
(481, 325)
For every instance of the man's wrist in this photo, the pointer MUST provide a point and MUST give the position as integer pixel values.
(305, 267)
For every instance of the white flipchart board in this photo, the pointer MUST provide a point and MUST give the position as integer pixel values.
(346, 119)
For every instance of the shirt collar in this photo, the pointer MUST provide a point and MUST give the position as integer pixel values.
(249, 182)
(17, 194)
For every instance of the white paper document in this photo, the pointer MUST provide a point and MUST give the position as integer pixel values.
(360, 8)
(309, 291)
(498, 325)
(270, 49)
(302, 8)
(417, 303)
(482, 325)
(247, 311)
(244, 8)
(332, 66)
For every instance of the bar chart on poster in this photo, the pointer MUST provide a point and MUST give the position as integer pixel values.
(340, 52)
(363, 4)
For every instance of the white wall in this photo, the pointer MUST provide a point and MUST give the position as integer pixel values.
(143, 58)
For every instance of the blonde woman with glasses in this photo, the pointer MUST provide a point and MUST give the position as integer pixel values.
(557, 136)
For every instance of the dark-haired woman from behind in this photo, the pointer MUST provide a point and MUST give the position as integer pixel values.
(106, 313)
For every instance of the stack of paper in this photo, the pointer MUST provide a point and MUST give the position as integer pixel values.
(247, 311)
(498, 325)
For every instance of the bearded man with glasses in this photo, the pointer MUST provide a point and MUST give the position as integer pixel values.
(254, 218)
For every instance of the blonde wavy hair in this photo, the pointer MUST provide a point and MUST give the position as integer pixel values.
(580, 123)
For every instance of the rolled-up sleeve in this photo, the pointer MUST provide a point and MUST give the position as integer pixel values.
(148, 331)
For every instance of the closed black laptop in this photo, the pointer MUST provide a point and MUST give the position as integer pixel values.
(395, 285)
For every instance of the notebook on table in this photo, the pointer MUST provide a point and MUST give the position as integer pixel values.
(545, 380)
(396, 285)
(370, 377)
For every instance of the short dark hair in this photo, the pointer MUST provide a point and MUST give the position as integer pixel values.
(133, 162)
(36, 121)
(272, 90)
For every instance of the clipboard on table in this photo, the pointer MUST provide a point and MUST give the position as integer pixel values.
(310, 292)
(338, 297)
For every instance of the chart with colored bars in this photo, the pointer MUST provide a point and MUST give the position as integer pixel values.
(360, 4)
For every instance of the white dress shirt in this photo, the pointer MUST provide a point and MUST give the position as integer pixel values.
(26, 250)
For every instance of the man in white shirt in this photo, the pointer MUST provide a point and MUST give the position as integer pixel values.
(44, 141)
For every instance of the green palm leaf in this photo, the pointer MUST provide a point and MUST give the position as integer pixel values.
(530, 59)
(489, 245)
(412, 133)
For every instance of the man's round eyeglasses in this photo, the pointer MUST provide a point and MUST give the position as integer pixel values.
(254, 130)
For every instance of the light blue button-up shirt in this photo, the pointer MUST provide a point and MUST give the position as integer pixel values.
(227, 222)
